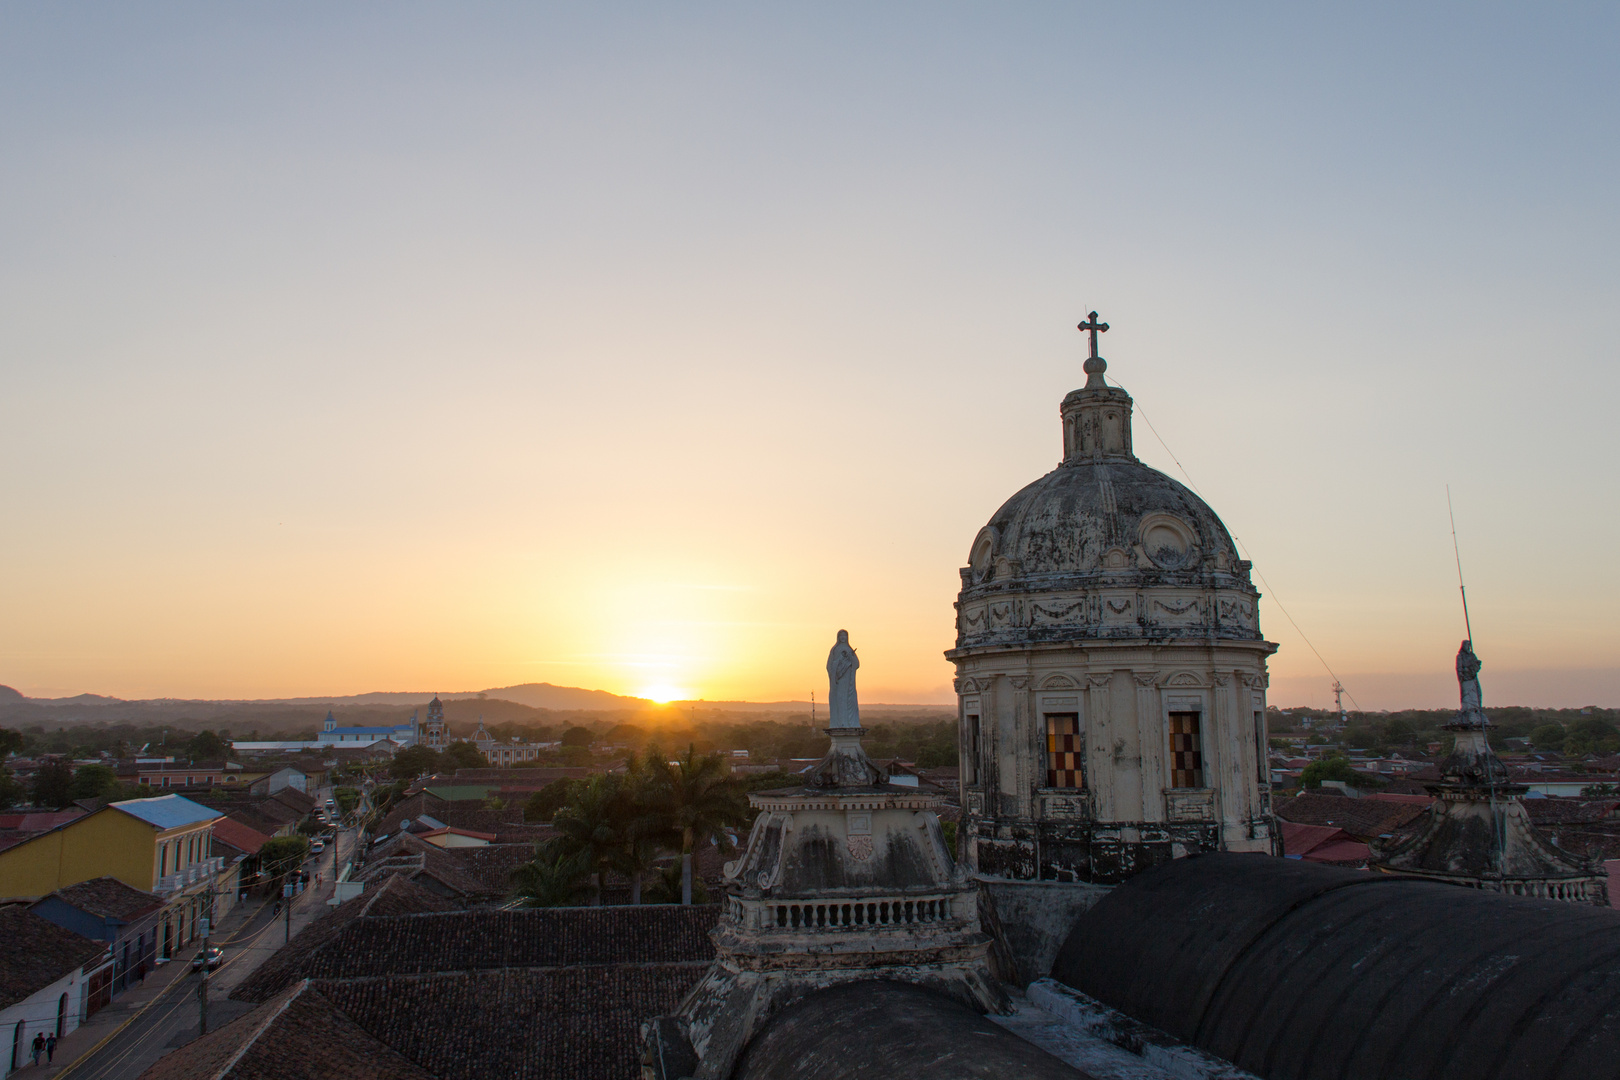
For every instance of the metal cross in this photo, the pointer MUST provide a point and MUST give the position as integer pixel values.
(1095, 327)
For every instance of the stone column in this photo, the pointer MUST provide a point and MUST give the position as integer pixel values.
(1151, 738)
(1100, 744)
(1221, 762)
(1020, 767)
(1126, 721)
(1005, 701)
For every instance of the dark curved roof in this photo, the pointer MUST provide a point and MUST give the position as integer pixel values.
(1298, 971)
(892, 1030)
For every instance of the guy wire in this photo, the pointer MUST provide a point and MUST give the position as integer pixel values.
(1237, 540)
(1456, 551)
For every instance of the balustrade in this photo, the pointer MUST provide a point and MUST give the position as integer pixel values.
(845, 916)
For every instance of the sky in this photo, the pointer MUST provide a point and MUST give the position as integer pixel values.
(353, 347)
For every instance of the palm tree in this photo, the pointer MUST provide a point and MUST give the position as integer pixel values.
(698, 798)
(646, 825)
(548, 883)
(591, 829)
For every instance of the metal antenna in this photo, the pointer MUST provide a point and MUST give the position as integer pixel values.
(1458, 553)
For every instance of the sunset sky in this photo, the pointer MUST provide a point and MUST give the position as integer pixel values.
(642, 347)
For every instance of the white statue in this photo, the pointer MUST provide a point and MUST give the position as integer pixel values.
(842, 662)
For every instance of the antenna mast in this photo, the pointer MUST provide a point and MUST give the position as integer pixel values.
(1456, 551)
(1338, 703)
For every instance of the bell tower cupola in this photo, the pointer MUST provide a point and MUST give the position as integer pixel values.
(1097, 417)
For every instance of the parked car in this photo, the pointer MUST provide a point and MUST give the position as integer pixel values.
(211, 956)
(316, 848)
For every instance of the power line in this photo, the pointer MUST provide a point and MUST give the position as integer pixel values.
(1275, 599)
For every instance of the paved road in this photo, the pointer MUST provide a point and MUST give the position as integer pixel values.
(171, 1019)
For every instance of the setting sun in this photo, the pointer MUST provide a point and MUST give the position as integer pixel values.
(663, 693)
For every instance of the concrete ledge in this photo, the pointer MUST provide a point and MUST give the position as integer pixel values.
(1032, 920)
(1156, 1048)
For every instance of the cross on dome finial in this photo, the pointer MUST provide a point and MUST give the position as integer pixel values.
(1096, 365)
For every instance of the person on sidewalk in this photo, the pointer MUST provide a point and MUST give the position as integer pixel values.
(39, 1046)
(50, 1048)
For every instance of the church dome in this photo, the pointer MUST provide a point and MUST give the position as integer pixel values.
(1103, 546)
(1086, 517)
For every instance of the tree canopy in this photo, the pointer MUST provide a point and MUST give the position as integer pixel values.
(53, 783)
(207, 746)
(622, 824)
(1333, 767)
(282, 855)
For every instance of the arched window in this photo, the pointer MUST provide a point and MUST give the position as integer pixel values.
(61, 1015)
(16, 1045)
(163, 860)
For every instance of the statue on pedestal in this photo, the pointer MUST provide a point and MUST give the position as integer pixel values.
(842, 706)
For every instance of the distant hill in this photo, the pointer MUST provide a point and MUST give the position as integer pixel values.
(543, 695)
(8, 694)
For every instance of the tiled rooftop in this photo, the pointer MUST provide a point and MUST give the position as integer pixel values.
(109, 898)
(37, 952)
(393, 896)
(577, 1023)
(534, 937)
(298, 1035)
(242, 837)
(1361, 818)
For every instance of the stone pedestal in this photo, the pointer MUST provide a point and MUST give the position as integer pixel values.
(847, 881)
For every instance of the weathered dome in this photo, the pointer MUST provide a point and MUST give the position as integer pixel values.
(1086, 517)
(1103, 546)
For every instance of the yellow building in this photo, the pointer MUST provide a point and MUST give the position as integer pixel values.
(161, 846)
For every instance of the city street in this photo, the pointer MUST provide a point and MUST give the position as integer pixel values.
(125, 1038)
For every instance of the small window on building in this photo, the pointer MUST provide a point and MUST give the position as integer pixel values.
(1063, 750)
(163, 860)
(1186, 753)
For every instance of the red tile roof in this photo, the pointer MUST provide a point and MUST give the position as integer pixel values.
(239, 836)
(109, 898)
(547, 1024)
(487, 837)
(1322, 843)
(1555, 811)
(284, 967)
(297, 1035)
(37, 952)
(533, 937)
(1362, 818)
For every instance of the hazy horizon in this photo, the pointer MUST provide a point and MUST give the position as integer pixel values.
(644, 348)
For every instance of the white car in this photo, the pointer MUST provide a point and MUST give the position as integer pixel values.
(316, 848)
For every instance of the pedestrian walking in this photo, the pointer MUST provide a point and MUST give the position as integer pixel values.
(39, 1046)
(50, 1049)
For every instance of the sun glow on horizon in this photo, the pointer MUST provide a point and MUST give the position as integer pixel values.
(664, 693)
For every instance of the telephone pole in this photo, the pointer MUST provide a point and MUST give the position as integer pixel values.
(202, 983)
